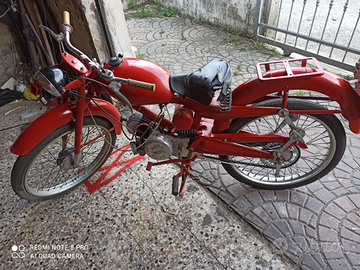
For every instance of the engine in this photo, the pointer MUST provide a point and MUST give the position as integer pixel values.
(155, 141)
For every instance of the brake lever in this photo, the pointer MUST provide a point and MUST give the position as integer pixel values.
(58, 37)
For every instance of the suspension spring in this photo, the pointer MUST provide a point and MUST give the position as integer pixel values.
(186, 133)
(225, 105)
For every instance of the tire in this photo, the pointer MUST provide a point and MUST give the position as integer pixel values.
(44, 173)
(324, 136)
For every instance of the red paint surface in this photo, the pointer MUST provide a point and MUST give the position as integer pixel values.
(62, 114)
(145, 71)
(121, 166)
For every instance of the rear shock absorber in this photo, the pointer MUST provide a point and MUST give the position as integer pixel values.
(225, 104)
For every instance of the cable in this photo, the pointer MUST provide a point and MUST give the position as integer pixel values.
(97, 127)
(15, 126)
(2, 15)
(119, 93)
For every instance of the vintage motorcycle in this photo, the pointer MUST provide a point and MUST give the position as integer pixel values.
(262, 134)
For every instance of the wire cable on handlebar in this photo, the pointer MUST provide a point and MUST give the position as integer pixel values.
(153, 122)
(115, 120)
(97, 127)
(92, 117)
(119, 93)
(129, 104)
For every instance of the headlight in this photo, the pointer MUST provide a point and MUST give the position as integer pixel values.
(52, 80)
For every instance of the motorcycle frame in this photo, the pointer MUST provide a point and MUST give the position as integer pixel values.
(210, 139)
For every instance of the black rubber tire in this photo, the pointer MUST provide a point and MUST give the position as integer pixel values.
(41, 164)
(336, 144)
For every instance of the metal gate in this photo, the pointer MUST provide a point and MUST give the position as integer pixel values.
(325, 29)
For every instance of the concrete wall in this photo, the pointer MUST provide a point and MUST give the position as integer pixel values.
(233, 15)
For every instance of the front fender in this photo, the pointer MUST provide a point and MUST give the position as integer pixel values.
(328, 84)
(57, 117)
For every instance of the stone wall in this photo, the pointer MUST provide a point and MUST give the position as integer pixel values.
(232, 15)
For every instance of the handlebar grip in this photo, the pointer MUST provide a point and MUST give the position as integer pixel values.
(66, 17)
(142, 85)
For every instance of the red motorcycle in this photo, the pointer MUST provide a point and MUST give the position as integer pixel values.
(262, 135)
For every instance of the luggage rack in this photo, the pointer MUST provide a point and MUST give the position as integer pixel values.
(309, 72)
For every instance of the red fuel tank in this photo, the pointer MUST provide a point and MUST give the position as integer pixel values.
(145, 71)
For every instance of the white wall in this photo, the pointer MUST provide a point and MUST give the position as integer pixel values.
(234, 15)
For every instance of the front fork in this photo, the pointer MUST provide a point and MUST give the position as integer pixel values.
(79, 120)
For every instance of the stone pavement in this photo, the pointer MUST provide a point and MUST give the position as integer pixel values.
(133, 222)
(317, 226)
(124, 218)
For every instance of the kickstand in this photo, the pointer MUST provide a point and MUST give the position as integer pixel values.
(184, 172)
(175, 184)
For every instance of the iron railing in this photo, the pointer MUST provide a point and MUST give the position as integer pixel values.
(325, 29)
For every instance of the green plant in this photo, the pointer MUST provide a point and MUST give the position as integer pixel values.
(161, 32)
(237, 71)
(182, 33)
(300, 93)
(261, 47)
(168, 11)
(273, 52)
(143, 12)
(231, 38)
(140, 55)
(244, 48)
(196, 20)
(132, 4)
(245, 33)
(346, 77)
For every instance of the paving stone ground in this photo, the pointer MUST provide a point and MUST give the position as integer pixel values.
(135, 223)
(317, 226)
(131, 222)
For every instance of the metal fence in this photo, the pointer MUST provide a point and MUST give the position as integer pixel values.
(325, 29)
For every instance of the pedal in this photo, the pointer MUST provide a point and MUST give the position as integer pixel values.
(175, 185)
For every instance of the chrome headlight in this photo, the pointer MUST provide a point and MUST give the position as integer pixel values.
(52, 79)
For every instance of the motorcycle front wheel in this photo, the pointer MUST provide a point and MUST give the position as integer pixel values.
(47, 171)
(324, 136)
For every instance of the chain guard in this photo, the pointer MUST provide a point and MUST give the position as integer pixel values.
(246, 163)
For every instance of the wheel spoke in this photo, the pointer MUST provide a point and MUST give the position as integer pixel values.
(324, 137)
(49, 174)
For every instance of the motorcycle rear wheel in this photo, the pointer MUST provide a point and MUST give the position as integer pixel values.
(325, 138)
(46, 172)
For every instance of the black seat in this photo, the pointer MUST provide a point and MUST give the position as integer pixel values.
(202, 84)
(178, 81)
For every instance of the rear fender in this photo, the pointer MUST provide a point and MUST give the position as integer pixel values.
(57, 117)
(328, 84)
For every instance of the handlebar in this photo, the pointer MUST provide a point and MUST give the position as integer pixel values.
(108, 75)
(64, 36)
(142, 85)
(66, 17)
